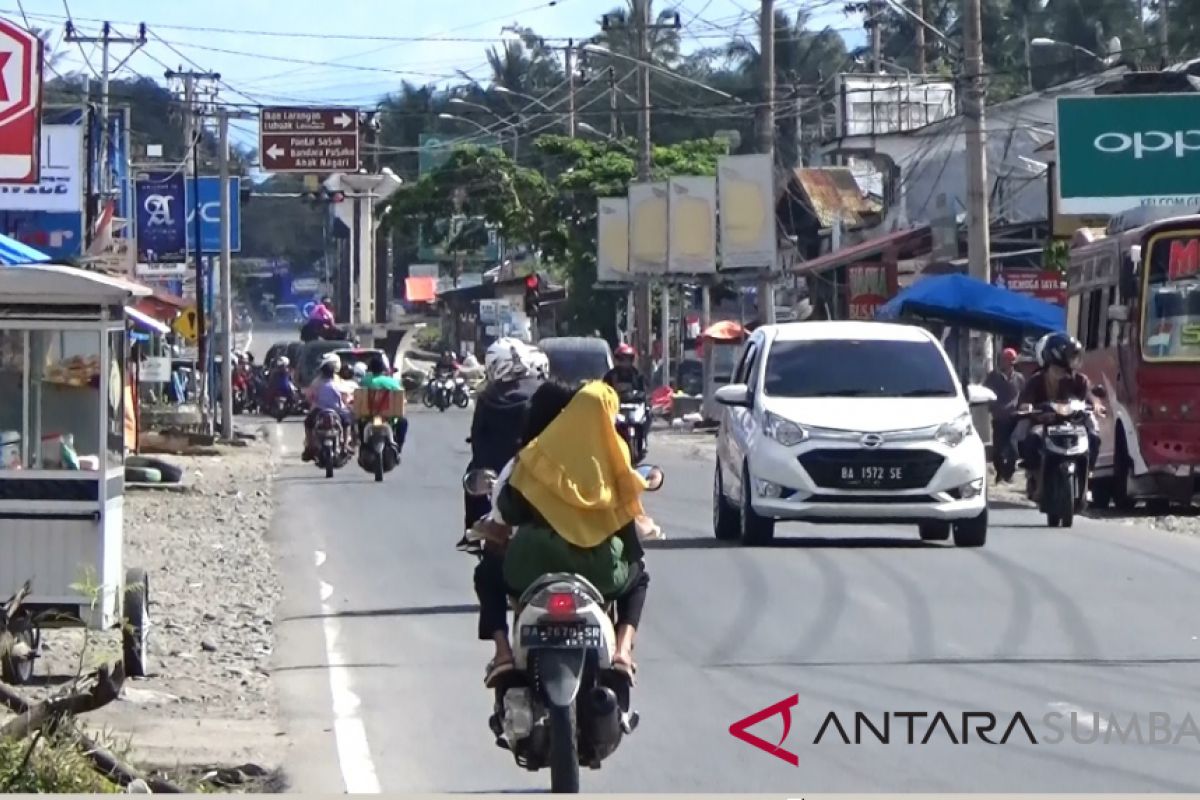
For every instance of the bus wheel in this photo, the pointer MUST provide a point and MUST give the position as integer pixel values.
(1122, 470)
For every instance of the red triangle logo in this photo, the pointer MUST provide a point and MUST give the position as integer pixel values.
(784, 709)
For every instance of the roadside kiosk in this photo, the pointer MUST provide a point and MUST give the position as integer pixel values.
(63, 391)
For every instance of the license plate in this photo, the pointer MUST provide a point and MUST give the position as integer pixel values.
(560, 634)
(870, 475)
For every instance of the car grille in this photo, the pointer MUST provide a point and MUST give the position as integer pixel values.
(826, 467)
(864, 499)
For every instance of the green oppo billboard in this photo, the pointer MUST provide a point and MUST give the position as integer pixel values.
(1116, 152)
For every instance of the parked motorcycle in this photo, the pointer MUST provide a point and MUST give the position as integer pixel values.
(1059, 485)
(566, 707)
(331, 445)
(462, 392)
(633, 424)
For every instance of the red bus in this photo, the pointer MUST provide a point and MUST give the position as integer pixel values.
(1134, 304)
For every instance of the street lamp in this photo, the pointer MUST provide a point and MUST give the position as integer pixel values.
(522, 95)
(458, 101)
(604, 51)
(499, 134)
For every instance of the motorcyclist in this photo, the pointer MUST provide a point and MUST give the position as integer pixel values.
(328, 392)
(499, 418)
(279, 381)
(446, 366)
(571, 452)
(624, 376)
(1058, 380)
(359, 373)
(377, 377)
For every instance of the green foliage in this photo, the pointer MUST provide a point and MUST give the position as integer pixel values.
(53, 766)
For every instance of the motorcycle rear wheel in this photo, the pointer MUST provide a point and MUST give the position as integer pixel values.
(564, 757)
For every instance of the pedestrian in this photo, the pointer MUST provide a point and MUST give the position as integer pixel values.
(1006, 383)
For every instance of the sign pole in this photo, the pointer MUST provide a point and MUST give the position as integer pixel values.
(226, 293)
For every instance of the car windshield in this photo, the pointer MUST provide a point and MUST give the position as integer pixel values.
(576, 366)
(857, 368)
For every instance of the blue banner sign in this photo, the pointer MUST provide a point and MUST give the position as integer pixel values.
(210, 214)
(161, 220)
(58, 235)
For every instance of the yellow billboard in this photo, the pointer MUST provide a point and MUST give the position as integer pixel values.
(648, 228)
(612, 239)
(692, 229)
(746, 205)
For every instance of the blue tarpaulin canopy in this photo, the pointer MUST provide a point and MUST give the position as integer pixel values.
(961, 300)
(14, 253)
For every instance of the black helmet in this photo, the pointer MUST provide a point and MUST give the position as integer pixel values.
(1061, 350)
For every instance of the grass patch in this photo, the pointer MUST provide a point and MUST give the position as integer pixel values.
(48, 764)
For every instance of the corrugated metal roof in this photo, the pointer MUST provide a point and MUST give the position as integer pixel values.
(832, 192)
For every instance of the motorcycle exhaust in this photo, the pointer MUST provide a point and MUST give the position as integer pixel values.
(601, 721)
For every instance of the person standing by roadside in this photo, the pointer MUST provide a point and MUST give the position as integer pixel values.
(1007, 385)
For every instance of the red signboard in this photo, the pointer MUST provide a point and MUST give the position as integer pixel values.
(20, 104)
(1184, 259)
(1045, 285)
(309, 140)
(869, 287)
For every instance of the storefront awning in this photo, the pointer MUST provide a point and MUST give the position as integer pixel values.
(906, 244)
(14, 253)
(145, 321)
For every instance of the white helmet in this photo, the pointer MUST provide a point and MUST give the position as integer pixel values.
(360, 370)
(333, 360)
(282, 361)
(540, 362)
(507, 359)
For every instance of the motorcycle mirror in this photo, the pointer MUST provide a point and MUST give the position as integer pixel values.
(653, 476)
(1100, 391)
(479, 482)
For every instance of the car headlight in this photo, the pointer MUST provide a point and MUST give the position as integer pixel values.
(786, 432)
(955, 431)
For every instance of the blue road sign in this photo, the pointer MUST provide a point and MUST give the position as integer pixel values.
(210, 214)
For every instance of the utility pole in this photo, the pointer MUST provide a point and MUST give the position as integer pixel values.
(978, 244)
(766, 141)
(876, 11)
(106, 40)
(920, 37)
(613, 117)
(1164, 50)
(192, 128)
(570, 67)
(226, 293)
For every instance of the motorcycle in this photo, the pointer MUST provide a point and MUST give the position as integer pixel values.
(329, 436)
(462, 392)
(413, 380)
(566, 707)
(1059, 485)
(377, 450)
(633, 424)
(439, 392)
(285, 403)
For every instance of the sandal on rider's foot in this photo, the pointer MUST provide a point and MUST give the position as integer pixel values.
(626, 669)
(497, 670)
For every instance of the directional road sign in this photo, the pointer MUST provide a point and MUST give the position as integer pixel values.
(20, 104)
(308, 139)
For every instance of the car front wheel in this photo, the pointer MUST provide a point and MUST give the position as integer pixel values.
(757, 531)
(726, 525)
(971, 532)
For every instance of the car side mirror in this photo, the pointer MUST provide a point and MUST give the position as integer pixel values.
(1118, 313)
(735, 394)
(479, 482)
(978, 395)
(653, 476)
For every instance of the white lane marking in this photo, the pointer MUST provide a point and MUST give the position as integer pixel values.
(354, 753)
(319, 557)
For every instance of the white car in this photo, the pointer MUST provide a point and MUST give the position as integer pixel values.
(862, 422)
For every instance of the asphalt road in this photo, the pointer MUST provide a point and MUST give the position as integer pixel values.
(381, 674)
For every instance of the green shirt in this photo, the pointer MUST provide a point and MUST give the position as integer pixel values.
(370, 381)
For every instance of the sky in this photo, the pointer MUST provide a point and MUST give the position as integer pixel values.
(264, 49)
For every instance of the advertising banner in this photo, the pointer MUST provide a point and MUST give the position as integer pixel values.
(1124, 150)
(62, 175)
(210, 214)
(868, 288)
(746, 199)
(58, 235)
(692, 234)
(612, 239)
(161, 220)
(1045, 285)
(648, 228)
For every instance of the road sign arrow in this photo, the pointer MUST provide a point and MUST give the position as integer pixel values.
(275, 151)
(343, 120)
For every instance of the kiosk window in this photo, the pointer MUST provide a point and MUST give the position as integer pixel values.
(121, 424)
(65, 388)
(12, 399)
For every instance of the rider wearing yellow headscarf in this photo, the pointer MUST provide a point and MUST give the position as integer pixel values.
(574, 498)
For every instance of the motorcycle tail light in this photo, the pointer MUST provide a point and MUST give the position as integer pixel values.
(560, 604)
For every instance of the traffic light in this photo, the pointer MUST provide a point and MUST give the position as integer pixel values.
(532, 295)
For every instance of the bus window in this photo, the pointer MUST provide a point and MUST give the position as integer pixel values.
(1172, 304)
(1112, 332)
